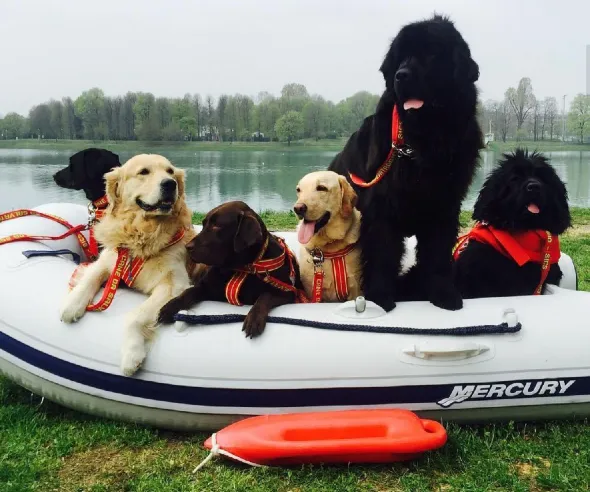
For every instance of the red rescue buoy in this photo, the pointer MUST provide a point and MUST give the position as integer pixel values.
(350, 436)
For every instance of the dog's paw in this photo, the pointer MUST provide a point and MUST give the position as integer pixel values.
(132, 357)
(254, 324)
(166, 314)
(445, 296)
(387, 303)
(72, 309)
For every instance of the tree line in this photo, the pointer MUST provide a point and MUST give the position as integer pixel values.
(294, 114)
(523, 116)
(143, 116)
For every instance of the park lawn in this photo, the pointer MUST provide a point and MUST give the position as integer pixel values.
(46, 447)
(539, 145)
(307, 144)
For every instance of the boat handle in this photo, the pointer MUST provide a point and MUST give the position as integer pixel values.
(456, 351)
(433, 427)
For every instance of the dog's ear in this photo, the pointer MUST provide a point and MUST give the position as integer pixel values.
(349, 197)
(465, 66)
(180, 176)
(112, 187)
(390, 64)
(249, 232)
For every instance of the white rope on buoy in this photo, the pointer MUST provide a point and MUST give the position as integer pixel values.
(216, 450)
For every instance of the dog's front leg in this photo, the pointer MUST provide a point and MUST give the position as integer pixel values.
(188, 298)
(77, 300)
(382, 251)
(434, 259)
(141, 322)
(255, 321)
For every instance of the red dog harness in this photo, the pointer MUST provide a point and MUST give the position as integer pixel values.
(127, 269)
(397, 143)
(96, 209)
(537, 246)
(338, 271)
(261, 268)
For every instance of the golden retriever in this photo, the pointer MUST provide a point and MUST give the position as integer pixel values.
(330, 225)
(146, 211)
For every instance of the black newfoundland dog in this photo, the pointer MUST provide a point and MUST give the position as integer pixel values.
(514, 248)
(411, 163)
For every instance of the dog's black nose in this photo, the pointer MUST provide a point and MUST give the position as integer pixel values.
(168, 186)
(533, 185)
(300, 209)
(402, 74)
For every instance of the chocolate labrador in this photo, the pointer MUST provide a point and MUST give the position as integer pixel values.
(243, 264)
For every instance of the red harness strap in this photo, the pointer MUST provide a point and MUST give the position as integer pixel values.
(397, 142)
(537, 246)
(127, 269)
(338, 271)
(96, 210)
(77, 230)
(261, 268)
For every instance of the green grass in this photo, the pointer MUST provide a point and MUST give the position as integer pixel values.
(45, 447)
(304, 144)
(132, 146)
(541, 146)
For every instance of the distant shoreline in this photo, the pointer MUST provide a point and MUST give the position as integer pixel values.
(310, 145)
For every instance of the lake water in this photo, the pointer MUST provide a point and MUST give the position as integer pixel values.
(265, 180)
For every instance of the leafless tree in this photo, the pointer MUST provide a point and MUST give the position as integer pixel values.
(521, 100)
(551, 112)
(504, 118)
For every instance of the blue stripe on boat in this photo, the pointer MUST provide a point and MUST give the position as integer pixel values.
(255, 398)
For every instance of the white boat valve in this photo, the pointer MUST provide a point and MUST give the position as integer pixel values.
(360, 304)
(180, 326)
(510, 317)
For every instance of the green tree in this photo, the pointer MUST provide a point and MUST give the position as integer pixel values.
(578, 118)
(293, 97)
(13, 126)
(314, 117)
(146, 119)
(40, 121)
(89, 107)
(188, 126)
(289, 126)
(221, 115)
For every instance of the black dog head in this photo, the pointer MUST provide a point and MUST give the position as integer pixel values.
(232, 236)
(524, 193)
(86, 172)
(429, 71)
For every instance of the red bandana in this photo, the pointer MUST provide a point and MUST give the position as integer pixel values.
(537, 246)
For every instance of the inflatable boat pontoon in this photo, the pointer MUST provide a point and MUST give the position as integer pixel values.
(508, 358)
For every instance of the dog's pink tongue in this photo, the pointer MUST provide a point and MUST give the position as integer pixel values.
(413, 104)
(306, 230)
(532, 208)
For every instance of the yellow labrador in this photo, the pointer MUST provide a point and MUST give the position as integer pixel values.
(147, 215)
(328, 232)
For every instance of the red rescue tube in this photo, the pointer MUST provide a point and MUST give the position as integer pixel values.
(351, 436)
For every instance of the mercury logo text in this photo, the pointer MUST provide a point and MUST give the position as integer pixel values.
(517, 389)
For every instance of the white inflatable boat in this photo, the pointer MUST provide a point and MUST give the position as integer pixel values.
(508, 358)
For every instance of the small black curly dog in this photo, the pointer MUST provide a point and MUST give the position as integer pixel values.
(411, 163)
(514, 248)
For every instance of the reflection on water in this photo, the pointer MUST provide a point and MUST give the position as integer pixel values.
(265, 180)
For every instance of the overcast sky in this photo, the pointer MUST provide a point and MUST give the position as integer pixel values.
(56, 48)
